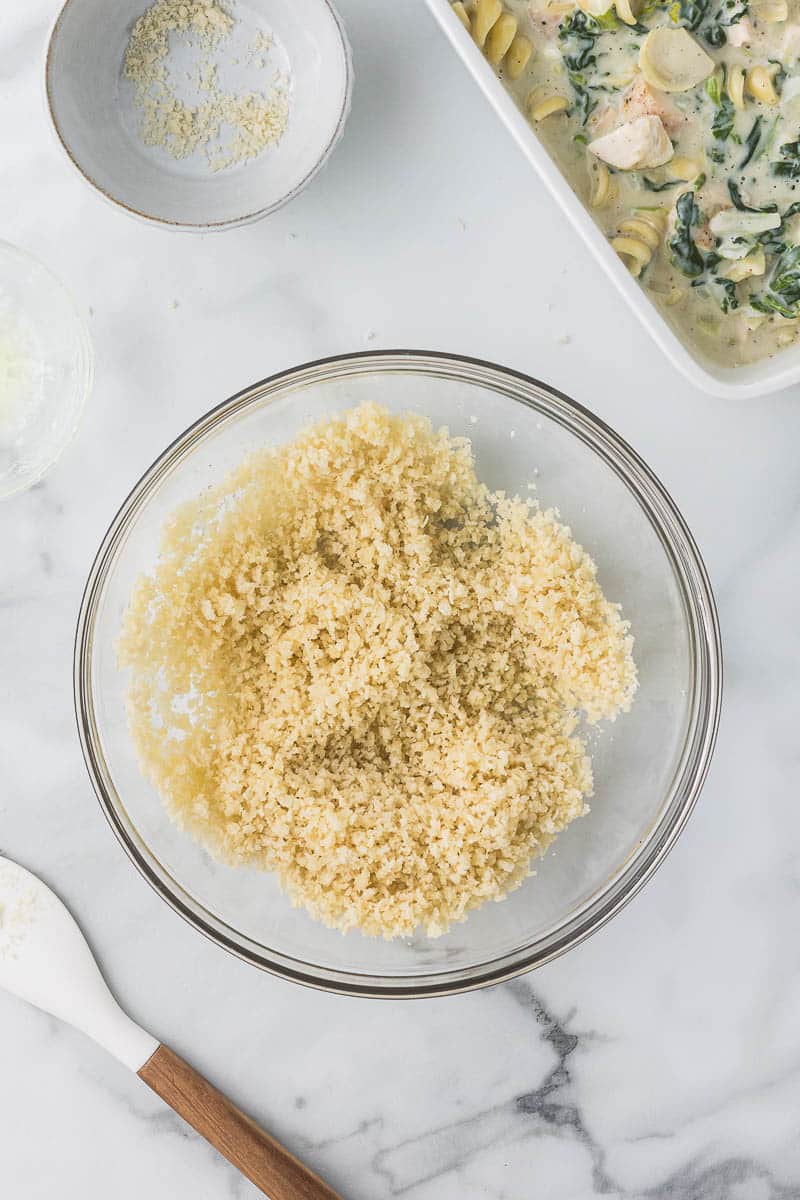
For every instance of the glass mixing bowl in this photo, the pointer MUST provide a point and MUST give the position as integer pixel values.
(649, 766)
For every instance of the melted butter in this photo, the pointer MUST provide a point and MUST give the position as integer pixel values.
(16, 374)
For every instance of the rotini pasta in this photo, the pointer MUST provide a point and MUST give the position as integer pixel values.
(462, 14)
(639, 237)
(626, 10)
(734, 85)
(683, 169)
(485, 14)
(494, 30)
(675, 296)
(602, 187)
(518, 56)
(500, 37)
(542, 103)
(759, 83)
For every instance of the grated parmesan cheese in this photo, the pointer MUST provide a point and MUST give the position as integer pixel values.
(228, 128)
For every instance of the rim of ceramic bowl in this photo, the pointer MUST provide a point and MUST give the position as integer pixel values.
(701, 621)
(206, 226)
(85, 350)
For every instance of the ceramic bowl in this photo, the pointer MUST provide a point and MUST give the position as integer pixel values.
(648, 769)
(92, 106)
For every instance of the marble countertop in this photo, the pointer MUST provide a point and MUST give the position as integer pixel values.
(659, 1060)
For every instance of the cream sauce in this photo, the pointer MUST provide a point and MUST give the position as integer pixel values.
(730, 285)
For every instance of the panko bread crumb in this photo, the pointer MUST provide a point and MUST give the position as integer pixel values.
(358, 668)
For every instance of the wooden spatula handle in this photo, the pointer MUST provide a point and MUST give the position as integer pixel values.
(258, 1156)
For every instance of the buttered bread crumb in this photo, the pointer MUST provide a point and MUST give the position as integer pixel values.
(358, 668)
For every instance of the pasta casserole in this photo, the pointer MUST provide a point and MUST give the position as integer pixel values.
(677, 122)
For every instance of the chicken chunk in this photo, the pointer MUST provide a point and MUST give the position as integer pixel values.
(548, 13)
(741, 33)
(641, 100)
(636, 144)
(790, 48)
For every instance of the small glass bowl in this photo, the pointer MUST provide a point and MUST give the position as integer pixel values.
(46, 369)
(649, 767)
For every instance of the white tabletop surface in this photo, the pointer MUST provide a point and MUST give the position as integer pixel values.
(659, 1060)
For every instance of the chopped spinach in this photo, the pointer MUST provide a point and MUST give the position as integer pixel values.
(722, 290)
(585, 103)
(714, 85)
(766, 142)
(688, 13)
(608, 21)
(774, 240)
(738, 202)
(732, 11)
(696, 16)
(724, 117)
(685, 254)
(778, 75)
(740, 241)
(782, 294)
(788, 165)
(714, 35)
(722, 125)
(751, 142)
(652, 186)
(578, 33)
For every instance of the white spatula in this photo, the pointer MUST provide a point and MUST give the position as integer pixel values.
(45, 960)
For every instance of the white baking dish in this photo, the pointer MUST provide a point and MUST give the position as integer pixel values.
(734, 382)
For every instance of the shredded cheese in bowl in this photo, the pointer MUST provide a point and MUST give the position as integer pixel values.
(186, 111)
(358, 668)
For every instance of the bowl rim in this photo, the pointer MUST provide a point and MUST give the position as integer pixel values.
(204, 226)
(84, 347)
(699, 609)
